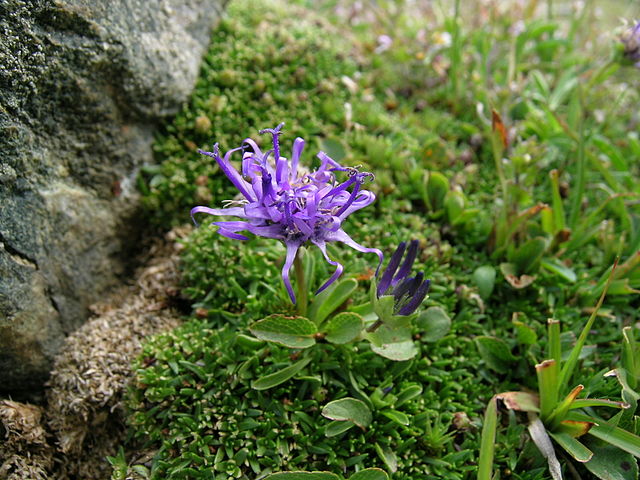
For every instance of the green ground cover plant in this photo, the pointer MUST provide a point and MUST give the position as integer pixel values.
(503, 141)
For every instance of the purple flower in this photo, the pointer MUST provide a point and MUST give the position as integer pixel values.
(631, 42)
(408, 292)
(284, 202)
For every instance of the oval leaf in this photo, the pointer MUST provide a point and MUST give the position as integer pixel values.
(434, 324)
(485, 279)
(495, 352)
(348, 409)
(292, 332)
(302, 476)
(611, 463)
(344, 327)
(393, 343)
(370, 474)
(281, 376)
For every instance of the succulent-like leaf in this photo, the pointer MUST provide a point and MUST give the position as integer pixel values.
(485, 279)
(279, 377)
(495, 352)
(292, 332)
(348, 409)
(370, 474)
(393, 343)
(433, 323)
(344, 327)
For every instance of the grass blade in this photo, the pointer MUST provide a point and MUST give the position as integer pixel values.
(548, 386)
(487, 441)
(573, 447)
(572, 361)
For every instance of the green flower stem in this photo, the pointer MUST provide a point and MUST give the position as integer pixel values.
(302, 302)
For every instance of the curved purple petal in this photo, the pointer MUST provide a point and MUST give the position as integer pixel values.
(325, 162)
(292, 250)
(230, 229)
(364, 199)
(231, 173)
(339, 268)
(296, 153)
(342, 236)
(232, 212)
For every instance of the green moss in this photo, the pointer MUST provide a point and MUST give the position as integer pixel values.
(267, 64)
(195, 404)
(253, 290)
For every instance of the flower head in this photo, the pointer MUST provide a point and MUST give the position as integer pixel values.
(631, 43)
(408, 292)
(283, 202)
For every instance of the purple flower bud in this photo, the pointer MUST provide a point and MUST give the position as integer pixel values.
(408, 292)
(631, 42)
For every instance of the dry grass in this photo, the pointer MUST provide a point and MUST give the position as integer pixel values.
(83, 420)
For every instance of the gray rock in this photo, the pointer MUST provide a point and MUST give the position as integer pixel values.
(83, 85)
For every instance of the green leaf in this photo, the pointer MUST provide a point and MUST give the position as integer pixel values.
(487, 441)
(393, 343)
(433, 324)
(344, 327)
(527, 257)
(437, 188)
(524, 333)
(388, 457)
(571, 362)
(330, 299)
(615, 436)
(383, 306)
(618, 437)
(559, 268)
(454, 205)
(572, 446)
(409, 393)
(611, 463)
(336, 427)
(495, 352)
(293, 332)
(370, 474)
(281, 376)
(622, 287)
(302, 476)
(348, 409)
(485, 279)
(548, 386)
(396, 416)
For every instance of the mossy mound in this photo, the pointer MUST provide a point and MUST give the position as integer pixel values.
(268, 63)
(195, 403)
